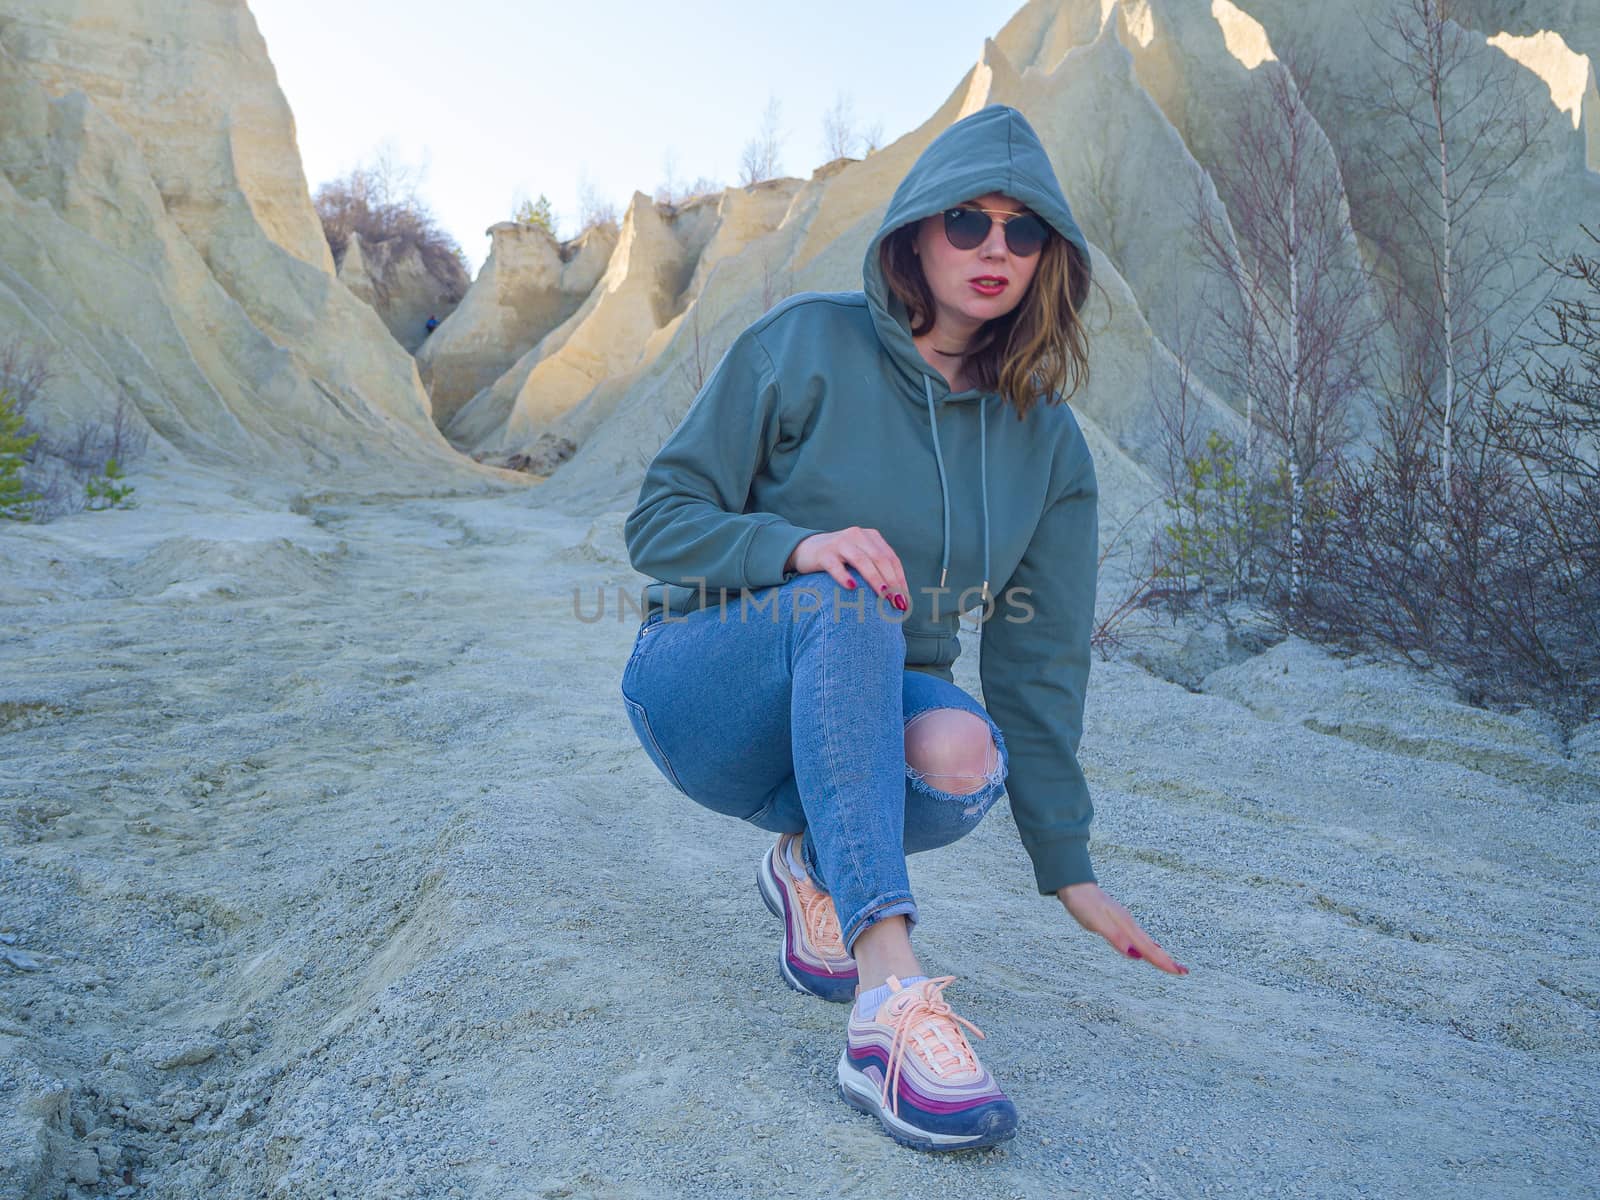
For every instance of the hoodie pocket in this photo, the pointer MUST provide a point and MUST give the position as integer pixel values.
(935, 649)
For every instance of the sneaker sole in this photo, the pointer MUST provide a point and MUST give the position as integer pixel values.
(861, 1093)
(774, 902)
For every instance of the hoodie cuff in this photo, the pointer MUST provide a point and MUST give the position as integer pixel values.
(769, 549)
(1060, 864)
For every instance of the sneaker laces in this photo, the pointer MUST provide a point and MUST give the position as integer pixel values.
(821, 921)
(929, 1024)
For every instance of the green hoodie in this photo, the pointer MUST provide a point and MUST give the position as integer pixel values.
(823, 414)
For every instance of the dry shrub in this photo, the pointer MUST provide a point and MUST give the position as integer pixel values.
(61, 462)
(1491, 575)
(380, 202)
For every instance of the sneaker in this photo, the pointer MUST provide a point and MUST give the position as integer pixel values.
(812, 958)
(910, 1066)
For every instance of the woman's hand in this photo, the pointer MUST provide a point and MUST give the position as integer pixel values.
(863, 549)
(1097, 912)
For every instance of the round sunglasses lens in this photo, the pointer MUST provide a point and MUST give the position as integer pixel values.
(965, 227)
(1025, 235)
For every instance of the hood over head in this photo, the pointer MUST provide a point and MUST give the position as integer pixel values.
(993, 150)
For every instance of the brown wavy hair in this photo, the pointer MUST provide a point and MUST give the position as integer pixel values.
(1038, 351)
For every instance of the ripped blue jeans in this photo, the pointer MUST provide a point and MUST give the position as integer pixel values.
(788, 708)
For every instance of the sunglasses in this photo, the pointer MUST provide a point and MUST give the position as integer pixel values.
(966, 228)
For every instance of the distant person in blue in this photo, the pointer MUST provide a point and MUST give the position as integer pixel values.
(433, 323)
(859, 470)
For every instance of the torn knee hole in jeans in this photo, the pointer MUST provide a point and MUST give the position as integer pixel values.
(942, 760)
(974, 794)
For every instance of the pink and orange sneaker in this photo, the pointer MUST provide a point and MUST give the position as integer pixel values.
(812, 958)
(910, 1066)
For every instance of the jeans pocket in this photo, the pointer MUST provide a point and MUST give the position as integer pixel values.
(773, 822)
(647, 738)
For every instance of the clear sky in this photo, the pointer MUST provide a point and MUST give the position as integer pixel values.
(493, 101)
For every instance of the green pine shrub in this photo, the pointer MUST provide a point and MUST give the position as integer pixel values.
(107, 490)
(16, 499)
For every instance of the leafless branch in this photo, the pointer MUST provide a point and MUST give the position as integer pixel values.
(839, 137)
(759, 159)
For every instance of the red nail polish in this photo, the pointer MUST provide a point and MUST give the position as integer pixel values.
(900, 603)
(851, 584)
(1133, 952)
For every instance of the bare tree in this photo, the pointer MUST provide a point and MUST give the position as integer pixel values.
(674, 192)
(1432, 549)
(1477, 587)
(702, 186)
(839, 135)
(1563, 422)
(58, 460)
(392, 181)
(1100, 186)
(872, 139)
(776, 284)
(24, 371)
(669, 190)
(1464, 124)
(1498, 585)
(1554, 438)
(1148, 568)
(594, 210)
(380, 202)
(1179, 416)
(1296, 345)
(1218, 520)
(89, 443)
(697, 364)
(759, 159)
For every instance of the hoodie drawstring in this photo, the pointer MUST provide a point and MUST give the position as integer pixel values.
(983, 477)
(944, 490)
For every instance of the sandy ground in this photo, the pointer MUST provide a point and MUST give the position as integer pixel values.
(329, 867)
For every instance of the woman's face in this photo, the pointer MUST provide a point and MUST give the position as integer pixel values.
(952, 274)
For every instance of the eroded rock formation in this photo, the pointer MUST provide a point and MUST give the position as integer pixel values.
(158, 243)
(397, 280)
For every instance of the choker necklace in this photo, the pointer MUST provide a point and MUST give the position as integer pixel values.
(948, 353)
